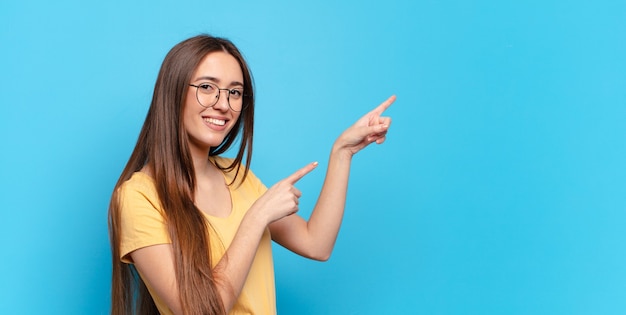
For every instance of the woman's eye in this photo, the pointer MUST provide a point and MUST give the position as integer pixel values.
(236, 93)
(207, 87)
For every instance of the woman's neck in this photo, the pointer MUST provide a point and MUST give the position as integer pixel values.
(203, 166)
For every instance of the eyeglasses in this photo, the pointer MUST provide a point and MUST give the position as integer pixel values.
(208, 94)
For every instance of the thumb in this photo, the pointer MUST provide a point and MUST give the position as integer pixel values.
(365, 131)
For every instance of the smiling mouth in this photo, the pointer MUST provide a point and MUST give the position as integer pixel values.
(213, 121)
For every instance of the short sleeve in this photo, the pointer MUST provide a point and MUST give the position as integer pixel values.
(142, 220)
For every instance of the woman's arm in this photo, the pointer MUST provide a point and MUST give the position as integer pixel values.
(316, 238)
(156, 263)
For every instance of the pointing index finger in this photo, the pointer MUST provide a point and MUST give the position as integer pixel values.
(384, 105)
(295, 177)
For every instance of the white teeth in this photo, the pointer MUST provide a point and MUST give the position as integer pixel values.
(214, 121)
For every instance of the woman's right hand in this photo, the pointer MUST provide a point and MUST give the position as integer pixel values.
(282, 199)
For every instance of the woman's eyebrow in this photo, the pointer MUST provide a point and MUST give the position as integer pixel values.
(216, 80)
(208, 78)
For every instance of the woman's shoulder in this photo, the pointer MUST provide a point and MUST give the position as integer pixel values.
(139, 181)
(137, 192)
(226, 164)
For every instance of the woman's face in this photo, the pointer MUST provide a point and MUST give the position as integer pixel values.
(208, 126)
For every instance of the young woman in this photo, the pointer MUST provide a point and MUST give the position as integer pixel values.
(191, 231)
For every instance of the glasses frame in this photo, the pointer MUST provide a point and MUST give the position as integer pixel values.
(219, 94)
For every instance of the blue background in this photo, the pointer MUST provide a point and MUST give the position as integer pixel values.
(501, 188)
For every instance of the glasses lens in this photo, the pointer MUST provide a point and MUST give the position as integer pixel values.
(207, 94)
(235, 99)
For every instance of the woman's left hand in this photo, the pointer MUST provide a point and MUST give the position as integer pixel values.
(372, 127)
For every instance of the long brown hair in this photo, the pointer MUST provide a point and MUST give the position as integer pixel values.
(163, 147)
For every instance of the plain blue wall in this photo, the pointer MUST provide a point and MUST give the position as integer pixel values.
(501, 189)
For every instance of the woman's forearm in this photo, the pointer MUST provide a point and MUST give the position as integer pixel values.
(232, 270)
(325, 220)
